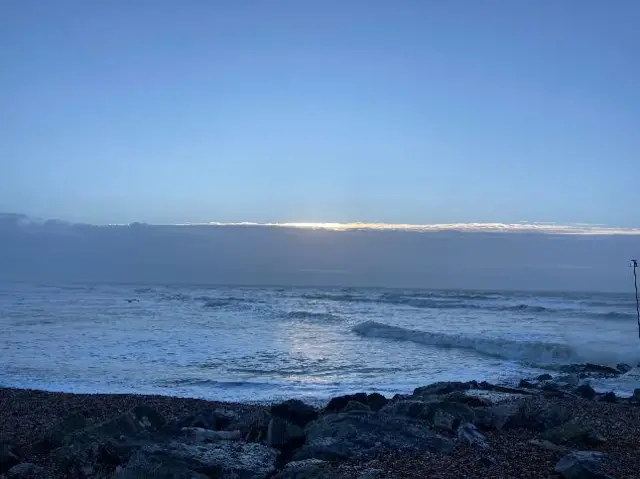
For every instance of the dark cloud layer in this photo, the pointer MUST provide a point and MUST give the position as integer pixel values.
(54, 251)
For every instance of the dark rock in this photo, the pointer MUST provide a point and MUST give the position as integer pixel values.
(586, 391)
(623, 368)
(445, 421)
(581, 465)
(426, 410)
(26, 470)
(205, 419)
(88, 458)
(356, 407)
(468, 399)
(591, 369)
(8, 458)
(338, 403)
(203, 435)
(295, 411)
(573, 433)
(219, 459)
(376, 401)
(143, 465)
(548, 445)
(468, 434)
(545, 377)
(345, 436)
(281, 434)
(55, 436)
(540, 418)
(497, 417)
(609, 397)
(526, 384)
(487, 461)
(636, 395)
(441, 388)
(253, 425)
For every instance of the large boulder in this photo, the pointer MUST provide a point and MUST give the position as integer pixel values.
(540, 417)
(468, 434)
(27, 470)
(345, 436)
(441, 388)
(143, 465)
(295, 411)
(283, 435)
(8, 458)
(56, 434)
(497, 417)
(586, 391)
(427, 410)
(573, 433)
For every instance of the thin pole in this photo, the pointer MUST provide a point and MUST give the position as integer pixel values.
(634, 263)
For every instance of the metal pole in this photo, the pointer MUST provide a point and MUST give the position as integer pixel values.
(634, 263)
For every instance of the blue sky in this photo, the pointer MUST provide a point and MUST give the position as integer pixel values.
(374, 111)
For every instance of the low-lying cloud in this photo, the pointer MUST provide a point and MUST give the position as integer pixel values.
(478, 256)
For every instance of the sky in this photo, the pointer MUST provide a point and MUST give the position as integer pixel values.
(413, 112)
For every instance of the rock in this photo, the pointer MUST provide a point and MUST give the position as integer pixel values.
(203, 435)
(541, 418)
(205, 419)
(545, 377)
(467, 398)
(426, 410)
(338, 403)
(220, 459)
(573, 433)
(444, 420)
(609, 397)
(591, 369)
(441, 388)
(281, 434)
(468, 434)
(55, 435)
(548, 445)
(376, 401)
(87, 458)
(580, 465)
(143, 465)
(586, 391)
(295, 411)
(253, 425)
(571, 380)
(356, 407)
(306, 469)
(496, 417)
(26, 470)
(8, 458)
(345, 436)
(526, 384)
(487, 461)
(623, 368)
(636, 395)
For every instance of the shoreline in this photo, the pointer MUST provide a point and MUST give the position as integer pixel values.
(443, 430)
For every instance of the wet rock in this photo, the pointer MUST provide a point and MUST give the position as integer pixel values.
(87, 459)
(202, 435)
(205, 419)
(26, 470)
(220, 459)
(306, 469)
(376, 401)
(282, 434)
(623, 368)
(295, 411)
(570, 380)
(586, 391)
(8, 458)
(636, 395)
(573, 433)
(496, 417)
(338, 403)
(467, 398)
(356, 407)
(541, 418)
(441, 388)
(426, 410)
(468, 434)
(609, 397)
(143, 465)
(345, 436)
(487, 461)
(445, 421)
(581, 465)
(253, 425)
(545, 377)
(526, 384)
(591, 369)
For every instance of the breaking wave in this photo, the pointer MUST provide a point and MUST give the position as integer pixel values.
(531, 352)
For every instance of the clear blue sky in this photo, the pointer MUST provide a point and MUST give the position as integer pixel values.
(409, 111)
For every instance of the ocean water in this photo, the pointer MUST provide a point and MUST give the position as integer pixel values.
(261, 344)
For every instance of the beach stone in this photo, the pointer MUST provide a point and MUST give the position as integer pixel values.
(444, 420)
(586, 391)
(295, 411)
(26, 470)
(8, 458)
(427, 410)
(338, 403)
(220, 459)
(441, 388)
(282, 433)
(496, 417)
(468, 434)
(573, 433)
(581, 465)
(347, 436)
(88, 458)
(541, 418)
(545, 377)
(548, 445)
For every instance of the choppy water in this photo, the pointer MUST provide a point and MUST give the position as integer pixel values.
(266, 343)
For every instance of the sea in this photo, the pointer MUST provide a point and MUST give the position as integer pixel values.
(258, 344)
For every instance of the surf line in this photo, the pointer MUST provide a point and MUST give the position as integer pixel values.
(634, 265)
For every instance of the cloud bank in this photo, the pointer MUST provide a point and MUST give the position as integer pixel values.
(478, 256)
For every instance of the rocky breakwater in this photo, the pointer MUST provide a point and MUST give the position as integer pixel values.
(549, 427)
